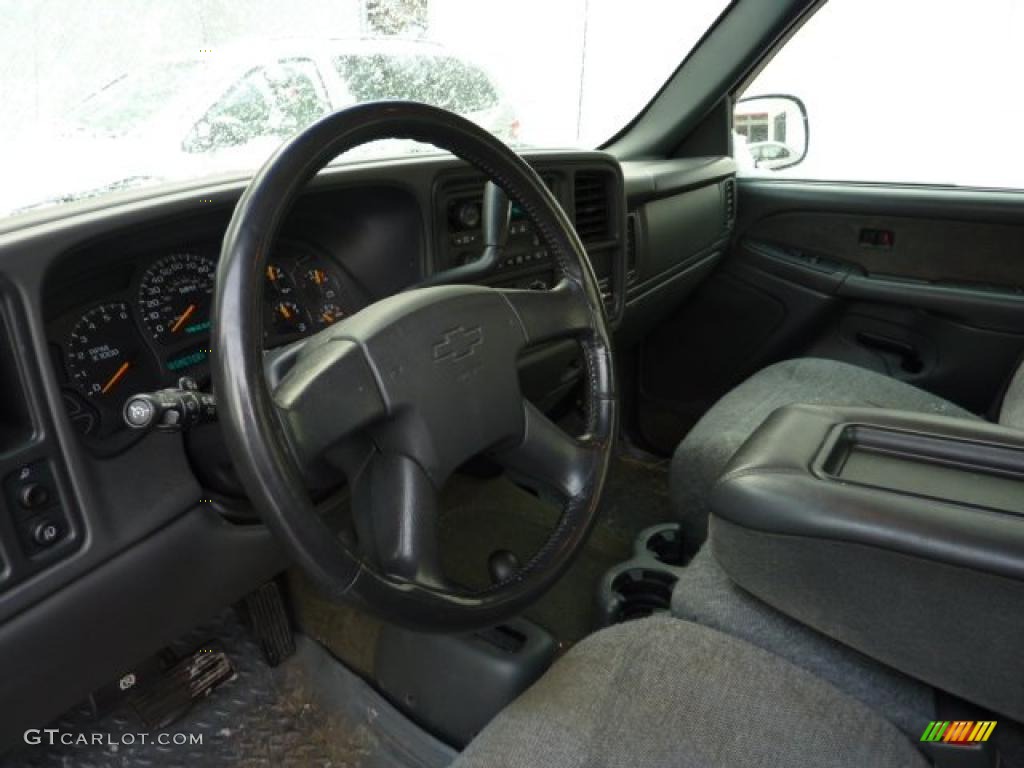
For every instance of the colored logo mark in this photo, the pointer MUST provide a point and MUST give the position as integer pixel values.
(959, 731)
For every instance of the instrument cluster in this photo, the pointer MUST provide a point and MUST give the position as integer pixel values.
(156, 328)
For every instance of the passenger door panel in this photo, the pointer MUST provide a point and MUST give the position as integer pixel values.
(922, 284)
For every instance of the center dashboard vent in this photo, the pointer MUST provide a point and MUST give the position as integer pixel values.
(591, 192)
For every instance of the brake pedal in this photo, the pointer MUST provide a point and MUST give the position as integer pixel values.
(269, 621)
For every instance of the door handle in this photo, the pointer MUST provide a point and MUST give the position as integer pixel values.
(910, 358)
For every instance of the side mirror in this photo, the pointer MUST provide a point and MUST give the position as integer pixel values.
(770, 132)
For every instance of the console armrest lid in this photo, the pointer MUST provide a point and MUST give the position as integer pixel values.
(899, 534)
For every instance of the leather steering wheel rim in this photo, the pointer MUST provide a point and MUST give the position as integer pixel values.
(367, 392)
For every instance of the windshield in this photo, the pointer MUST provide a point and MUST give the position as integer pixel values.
(135, 99)
(105, 96)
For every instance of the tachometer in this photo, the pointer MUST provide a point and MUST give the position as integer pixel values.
(176, 295)
(107, 359)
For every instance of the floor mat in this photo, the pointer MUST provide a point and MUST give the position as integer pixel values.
(309, 712)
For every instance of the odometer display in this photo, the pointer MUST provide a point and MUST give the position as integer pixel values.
(175, 297)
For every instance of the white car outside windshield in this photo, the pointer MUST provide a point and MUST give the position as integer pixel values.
(119, 94)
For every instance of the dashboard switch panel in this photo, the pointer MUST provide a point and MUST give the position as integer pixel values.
(30, 488)
(32, 497)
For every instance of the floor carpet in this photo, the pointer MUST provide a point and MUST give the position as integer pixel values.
(479, 516)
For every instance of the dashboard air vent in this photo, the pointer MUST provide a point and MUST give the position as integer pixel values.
(593, 208)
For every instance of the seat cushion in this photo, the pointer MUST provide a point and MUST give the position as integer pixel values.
(662, 692)
(706, 595)
(1011, 414)
(702, 455)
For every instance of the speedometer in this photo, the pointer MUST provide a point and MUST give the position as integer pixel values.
(176, 295)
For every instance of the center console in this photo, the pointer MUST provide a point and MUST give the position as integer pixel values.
(898, 534)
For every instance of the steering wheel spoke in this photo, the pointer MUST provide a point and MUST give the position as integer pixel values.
(395, 513)
(328, 393)
(550, 459)
(559, 313)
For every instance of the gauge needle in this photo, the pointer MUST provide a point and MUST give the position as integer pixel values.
(118, 375)
(184, 316)
(285, 312)
(327, 317)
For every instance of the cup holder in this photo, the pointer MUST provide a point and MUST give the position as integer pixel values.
(665, 542)
(642, 586)
(641, 592)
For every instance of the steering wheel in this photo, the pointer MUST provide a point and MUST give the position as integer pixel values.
(401, 394)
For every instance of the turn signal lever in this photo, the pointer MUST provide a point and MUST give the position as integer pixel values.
(495, 218)
(171, 410)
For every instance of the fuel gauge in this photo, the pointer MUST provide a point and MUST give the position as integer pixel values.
(278, 280)
(318, 282)
(289, 318)
(329, 314)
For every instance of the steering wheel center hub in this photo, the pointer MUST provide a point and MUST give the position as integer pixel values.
(443, 361)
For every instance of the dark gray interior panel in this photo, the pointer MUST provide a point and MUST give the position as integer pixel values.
(680, 227)
(681, 216)
(985, 476)
(766, 197)
(862, 503)
(917, 283)
(934, 249)
(648, 180)
(90, 632)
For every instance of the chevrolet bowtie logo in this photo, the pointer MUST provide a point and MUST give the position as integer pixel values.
(458, 343)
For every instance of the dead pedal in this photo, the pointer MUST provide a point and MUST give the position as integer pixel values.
(170, 695)
(270, 623)
(165, 686)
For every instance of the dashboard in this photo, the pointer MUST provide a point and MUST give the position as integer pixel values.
(141, 535)
(130, 313)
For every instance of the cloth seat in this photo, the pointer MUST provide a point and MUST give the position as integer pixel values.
(706, 595)
(662, 692)
(701, 457)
